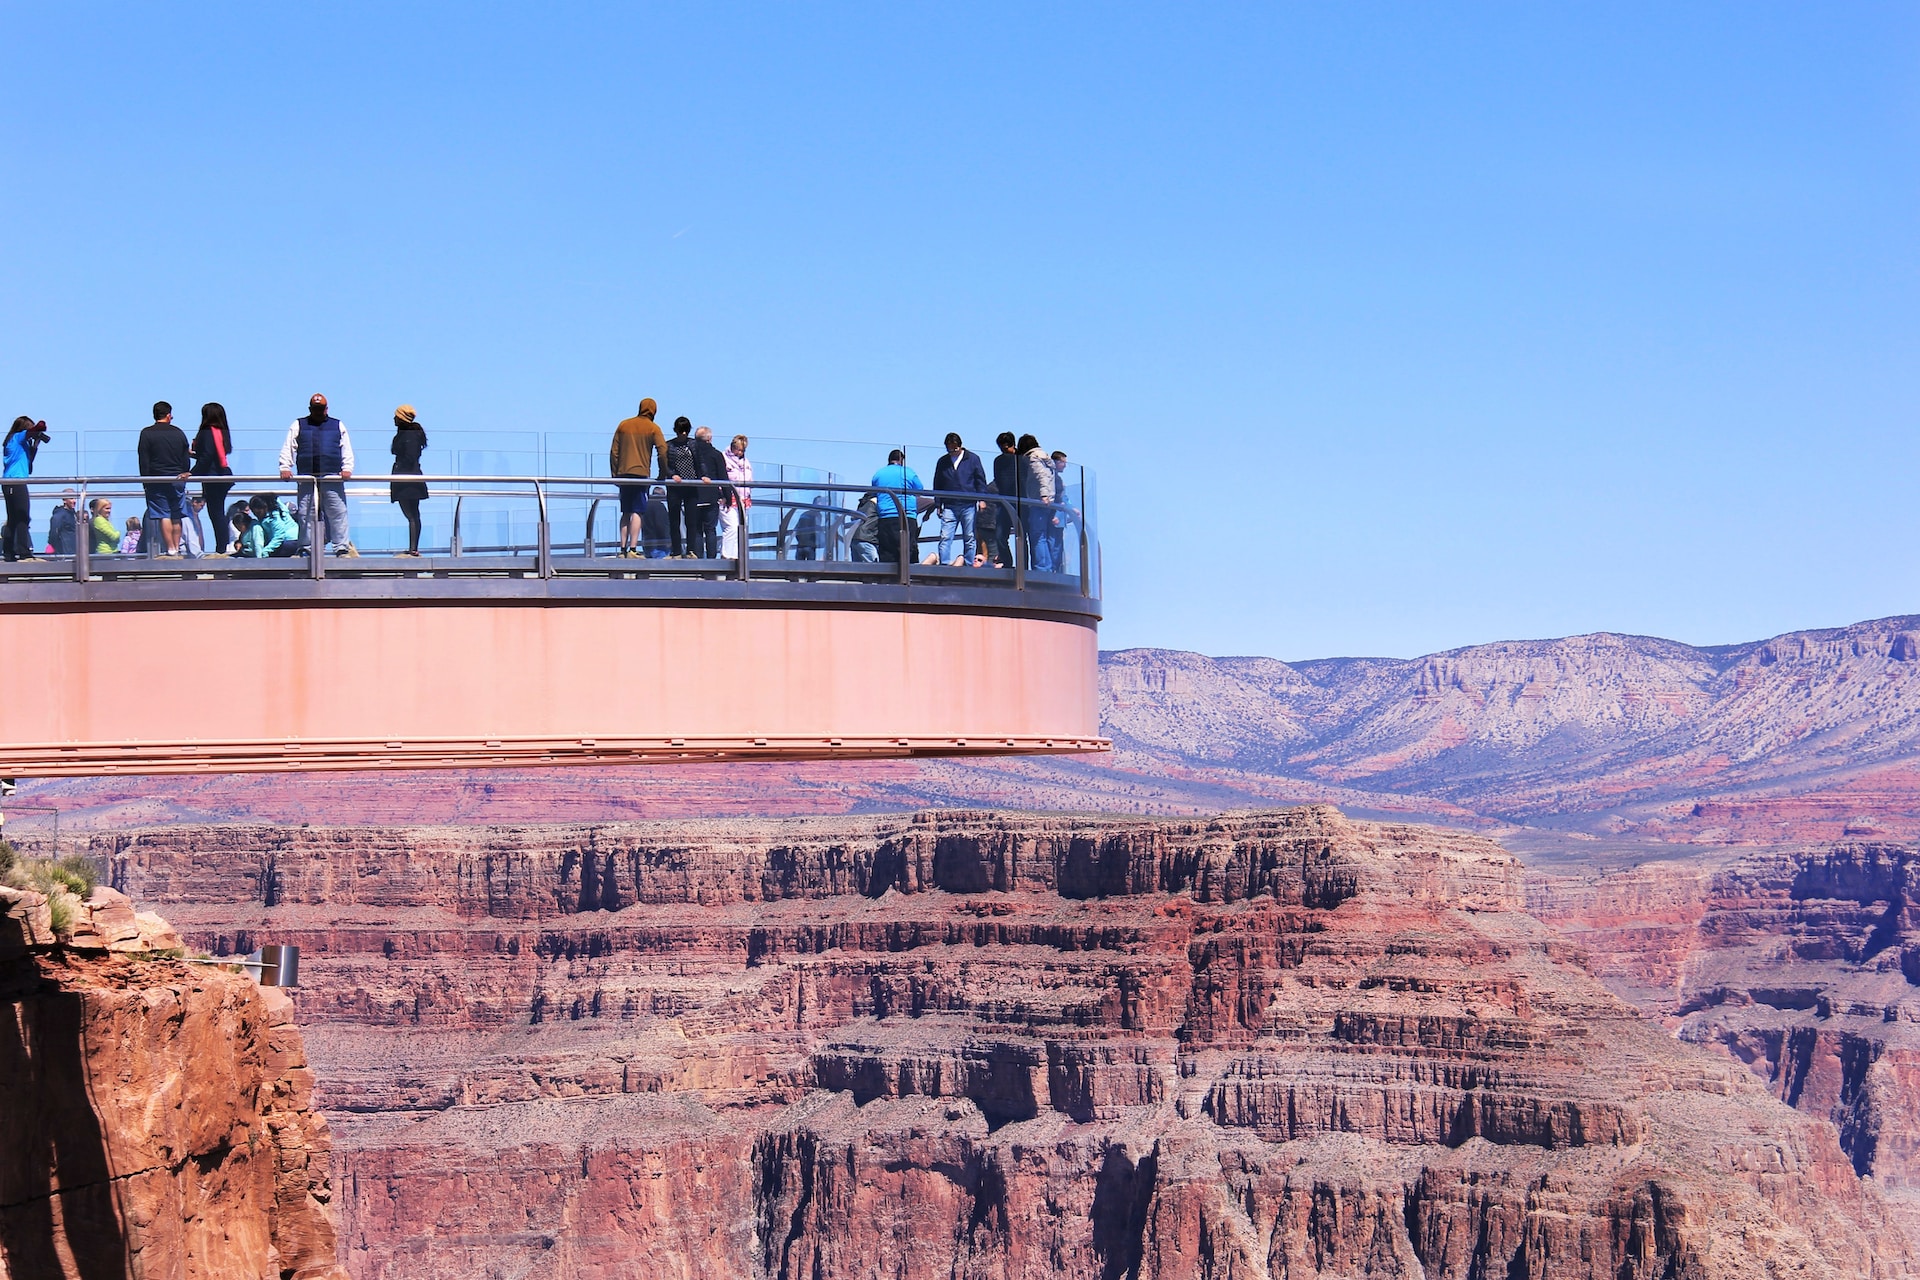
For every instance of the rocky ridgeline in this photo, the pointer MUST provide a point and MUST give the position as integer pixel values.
(1803, 965)
(1278, 1044)
(156, 1118)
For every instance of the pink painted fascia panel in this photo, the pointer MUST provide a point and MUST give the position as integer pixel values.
(514, 670)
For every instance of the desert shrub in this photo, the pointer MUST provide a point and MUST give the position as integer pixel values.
(77, 874)
(7, 859)
(60, 907)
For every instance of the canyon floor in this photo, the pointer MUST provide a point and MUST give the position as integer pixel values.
(976, 1044)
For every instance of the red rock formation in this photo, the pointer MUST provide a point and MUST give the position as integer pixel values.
(961, 1044)
(1803, 965)
(156, 1118)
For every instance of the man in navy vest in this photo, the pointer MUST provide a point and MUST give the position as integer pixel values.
(317, 445)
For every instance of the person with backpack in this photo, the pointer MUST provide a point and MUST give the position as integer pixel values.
(212, 456)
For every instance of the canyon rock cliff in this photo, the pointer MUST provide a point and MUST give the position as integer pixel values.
(965, 1044)
(156, 1118)
(1802, 964)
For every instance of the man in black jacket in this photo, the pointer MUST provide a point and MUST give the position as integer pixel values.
(1006, 483)
(711, 464)
(163, 452)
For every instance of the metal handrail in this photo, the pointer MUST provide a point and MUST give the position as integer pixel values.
(924, 503)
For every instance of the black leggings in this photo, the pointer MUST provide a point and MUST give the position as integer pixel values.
(680, 516)
(16, 538)
(216, 496)
(410, 508)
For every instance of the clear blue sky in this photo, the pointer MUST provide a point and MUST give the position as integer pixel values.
(1389, 328)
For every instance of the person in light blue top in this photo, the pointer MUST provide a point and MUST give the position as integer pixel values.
(23, 441)
(897, 475)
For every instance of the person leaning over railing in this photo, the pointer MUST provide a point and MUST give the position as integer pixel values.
(409, 442)
(959, 471)
(318, 445)
(637, 442)
(23, 441)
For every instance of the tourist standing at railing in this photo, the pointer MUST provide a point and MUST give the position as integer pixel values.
(409, 442)
(164, 451)
(897, 475)
(1006, 483)
(864, 546)
(1036, 494)
(213, 456)
(712, 465)
(637, 442)
(1057, 526)
(678, 462)
(737, 501)
(130, 540)
(959, 471)
(318, 445)
(23, 441)
(102, 538)
(63, 527)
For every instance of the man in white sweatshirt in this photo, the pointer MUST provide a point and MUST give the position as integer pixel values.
(318, 445)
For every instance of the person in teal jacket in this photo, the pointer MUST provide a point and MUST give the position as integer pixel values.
(274, 531)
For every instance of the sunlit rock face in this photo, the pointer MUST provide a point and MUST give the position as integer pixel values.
(965, 1044)
(156, 1118)
(1802, 964)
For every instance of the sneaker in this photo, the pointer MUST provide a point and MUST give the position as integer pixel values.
(350, 551)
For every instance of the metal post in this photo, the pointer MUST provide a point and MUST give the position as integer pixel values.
(316, 522)
(906, 540)
(1019, 544)
(82, 538)
(544, 552)
(453, 541)
(742, 570)
(586, 543)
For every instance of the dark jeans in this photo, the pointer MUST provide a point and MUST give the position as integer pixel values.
(16, 537)
(216, 496)
(996, 530)
(890, 539)
(680, 514)
(703, 531)
(1040, 539)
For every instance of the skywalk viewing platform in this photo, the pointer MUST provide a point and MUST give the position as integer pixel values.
(520, 635)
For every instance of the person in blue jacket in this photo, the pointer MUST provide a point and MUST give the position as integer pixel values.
(959, 471)
(23, 441)
(897, 475)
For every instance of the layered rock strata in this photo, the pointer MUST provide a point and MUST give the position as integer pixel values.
(156, 1118)
(1804, 965)
(1280, 1044)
